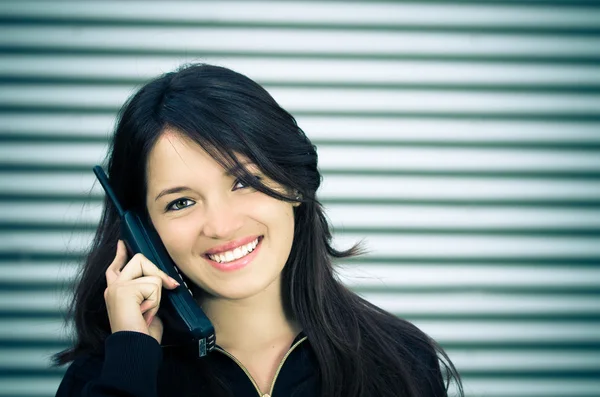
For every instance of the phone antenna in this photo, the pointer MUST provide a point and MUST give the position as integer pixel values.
(109, 192)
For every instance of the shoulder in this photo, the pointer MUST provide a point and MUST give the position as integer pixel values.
(127, 357)
(83, 369)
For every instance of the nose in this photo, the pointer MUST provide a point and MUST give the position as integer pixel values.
(221, 220)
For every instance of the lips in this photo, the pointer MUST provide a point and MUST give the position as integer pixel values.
(231, 245)
(235, 264)
(234, 254)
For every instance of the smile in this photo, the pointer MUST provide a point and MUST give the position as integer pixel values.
(237, 253)
(235, 258)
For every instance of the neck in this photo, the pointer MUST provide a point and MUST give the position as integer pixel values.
(253, 323)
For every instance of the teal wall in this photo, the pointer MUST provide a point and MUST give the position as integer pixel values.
(460, 138)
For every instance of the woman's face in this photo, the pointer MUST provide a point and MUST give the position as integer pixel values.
(229, 239)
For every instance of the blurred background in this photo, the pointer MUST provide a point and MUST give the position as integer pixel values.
(460, 138)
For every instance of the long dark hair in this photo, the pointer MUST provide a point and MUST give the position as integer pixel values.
(361, 349)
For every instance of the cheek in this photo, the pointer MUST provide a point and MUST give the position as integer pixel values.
(177, 236)
(281, 226)
(274, 215)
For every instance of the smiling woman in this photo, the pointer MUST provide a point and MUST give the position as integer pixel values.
(229, 182)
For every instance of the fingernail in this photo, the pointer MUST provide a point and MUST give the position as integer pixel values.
(174, 281)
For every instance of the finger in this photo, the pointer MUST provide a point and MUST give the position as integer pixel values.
(152, 300)
(151, 279)
(140, 266)
(146, 295)
(156, 328)
(146, 306)
(150, 308)
(148, 319)
(114, 269)
(156, 280)
(149, 316)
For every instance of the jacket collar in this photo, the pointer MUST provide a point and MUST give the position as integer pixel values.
(297, 370)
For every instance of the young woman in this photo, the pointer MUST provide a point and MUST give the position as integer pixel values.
(229, 181)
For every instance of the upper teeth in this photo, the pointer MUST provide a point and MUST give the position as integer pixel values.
(234, 254)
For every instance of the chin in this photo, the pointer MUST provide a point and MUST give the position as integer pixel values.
(234, 286)
(241, 288)
(236, 295)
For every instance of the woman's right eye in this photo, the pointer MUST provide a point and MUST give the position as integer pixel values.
(174, 205)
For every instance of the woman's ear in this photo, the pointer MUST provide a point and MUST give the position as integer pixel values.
(298, 197)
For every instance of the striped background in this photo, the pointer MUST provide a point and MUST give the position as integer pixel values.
(460, 138)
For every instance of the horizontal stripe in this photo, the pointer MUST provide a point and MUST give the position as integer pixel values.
(36, 360)
(381, 172)
(340, 158)
(426, 276)
(190, 55)
(327, 13)
(379, 245)
(416, 217)
(344, 130)
(486, 332)
(328, 100)
(346, 187)
(128, 70)
(313, 41)
(472, 304)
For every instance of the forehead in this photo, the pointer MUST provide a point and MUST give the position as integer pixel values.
(175, 157)
(173, 151)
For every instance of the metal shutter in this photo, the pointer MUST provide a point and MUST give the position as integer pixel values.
(461, 138)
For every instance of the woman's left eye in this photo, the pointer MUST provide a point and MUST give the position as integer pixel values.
(173, 206)
(239, 184)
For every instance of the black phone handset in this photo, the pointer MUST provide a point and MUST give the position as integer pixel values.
(194, 328)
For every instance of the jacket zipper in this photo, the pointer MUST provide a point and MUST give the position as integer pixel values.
(231, 356)
(281, 365)
(270, 394)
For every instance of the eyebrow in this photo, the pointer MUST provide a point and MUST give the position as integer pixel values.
(179, 189)
(176, 189)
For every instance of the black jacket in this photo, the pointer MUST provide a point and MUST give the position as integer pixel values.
(133, 364)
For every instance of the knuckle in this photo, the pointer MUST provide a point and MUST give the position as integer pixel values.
(154, 286)
(111, 290)
(156, 294)
(138, 257)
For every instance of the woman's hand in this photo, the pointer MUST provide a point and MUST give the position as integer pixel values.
(133, 293)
